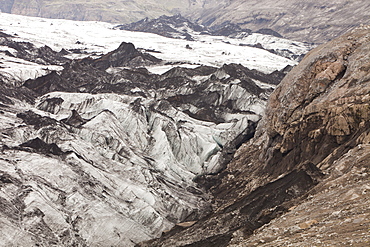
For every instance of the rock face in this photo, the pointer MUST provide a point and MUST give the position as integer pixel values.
(304, 178)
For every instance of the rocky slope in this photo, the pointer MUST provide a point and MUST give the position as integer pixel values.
(308, 21)
(303, 180)
(98, 151)
(98, 10)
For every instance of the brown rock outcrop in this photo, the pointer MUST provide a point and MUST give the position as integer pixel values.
(304, 179)
(321, 104)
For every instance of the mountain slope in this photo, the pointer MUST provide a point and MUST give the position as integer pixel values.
(303, 180)
(97, 10)
(307, 21)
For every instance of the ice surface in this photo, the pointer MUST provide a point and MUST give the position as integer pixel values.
(125, 174)
(100, 37)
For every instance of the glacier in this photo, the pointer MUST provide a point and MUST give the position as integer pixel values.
(109, 157)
